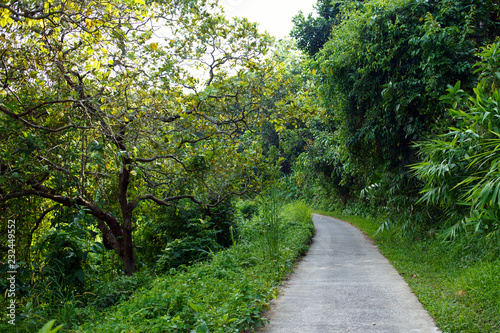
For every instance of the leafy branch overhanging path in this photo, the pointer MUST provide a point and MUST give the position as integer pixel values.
(344, 284)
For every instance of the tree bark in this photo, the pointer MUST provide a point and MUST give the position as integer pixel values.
(127, 209)
(128, 249)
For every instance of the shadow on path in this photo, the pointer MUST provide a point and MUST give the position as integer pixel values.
(344, 284)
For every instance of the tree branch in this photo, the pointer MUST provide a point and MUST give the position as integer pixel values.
(27, 123)
(154, 158)
(37, 224)
(47, 193)
(164, 202)
(34, 14)
(109, 237)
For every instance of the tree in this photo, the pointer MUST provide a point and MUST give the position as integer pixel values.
(383, 70)
(108, 104)
(283, 137)
(313, 32)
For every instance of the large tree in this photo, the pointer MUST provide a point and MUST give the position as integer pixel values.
(107, 104)
(382, 73)
(313, 31)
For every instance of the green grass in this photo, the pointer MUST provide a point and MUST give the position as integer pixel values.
(226, 293)
(458, 288)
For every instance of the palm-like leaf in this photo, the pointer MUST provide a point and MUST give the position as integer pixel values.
(461, 168)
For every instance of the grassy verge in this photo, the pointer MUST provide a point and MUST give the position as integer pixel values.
(459, 290)
(227, 293)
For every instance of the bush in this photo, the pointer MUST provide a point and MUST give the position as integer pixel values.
(248, 208)
(188, 250)
(460, 168)
(171, 227)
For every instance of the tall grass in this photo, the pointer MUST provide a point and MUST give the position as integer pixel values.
(271, 223)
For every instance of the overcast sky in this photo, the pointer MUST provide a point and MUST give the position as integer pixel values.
(275, 16)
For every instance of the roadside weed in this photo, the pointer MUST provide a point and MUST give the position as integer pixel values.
(226, 293)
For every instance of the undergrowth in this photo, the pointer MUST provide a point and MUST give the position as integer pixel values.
(226, 293)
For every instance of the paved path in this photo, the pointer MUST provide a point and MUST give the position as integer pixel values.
(344, 284)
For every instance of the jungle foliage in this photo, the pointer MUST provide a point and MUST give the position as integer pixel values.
(380, 78)
(313, 32)
(226, 291)
(460, 168)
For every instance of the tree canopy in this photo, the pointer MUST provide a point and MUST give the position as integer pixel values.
(105, 105)
(382, 72)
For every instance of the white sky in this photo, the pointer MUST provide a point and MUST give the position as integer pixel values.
(275, 16)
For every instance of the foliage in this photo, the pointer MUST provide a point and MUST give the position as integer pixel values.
(447, 278)
(104, 286)
(313, 32)
(382, 72)
(73, 306)
(247, 208)
(380, 79)
(283, 138)
(112, 107)
(318, 171)
(177, 226)
(187, 250)
(271, 223)
(52, 283)
(62, 257)
(47, 328)
(227, 293)
(460, 167)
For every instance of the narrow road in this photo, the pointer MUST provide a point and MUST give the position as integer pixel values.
(344, 284)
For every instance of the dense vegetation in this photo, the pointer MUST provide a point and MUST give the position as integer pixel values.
(225, 292)
(410, 140)
(387, 78)
(137, 135)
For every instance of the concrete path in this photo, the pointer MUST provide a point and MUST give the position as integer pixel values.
(344, 284)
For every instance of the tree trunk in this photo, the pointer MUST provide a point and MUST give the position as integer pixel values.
(127, 209)
(128, 249)
(119, 238)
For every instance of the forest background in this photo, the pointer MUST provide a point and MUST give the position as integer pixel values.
(141, 139)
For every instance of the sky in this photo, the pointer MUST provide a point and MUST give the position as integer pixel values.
(275, 16)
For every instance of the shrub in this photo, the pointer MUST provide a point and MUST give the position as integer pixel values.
(188, 250)
(461, 167)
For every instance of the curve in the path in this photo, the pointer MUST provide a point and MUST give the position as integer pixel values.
(344, 284)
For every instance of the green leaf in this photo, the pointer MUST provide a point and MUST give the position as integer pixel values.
(47, 328)
(80, 274)
(195, 307)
